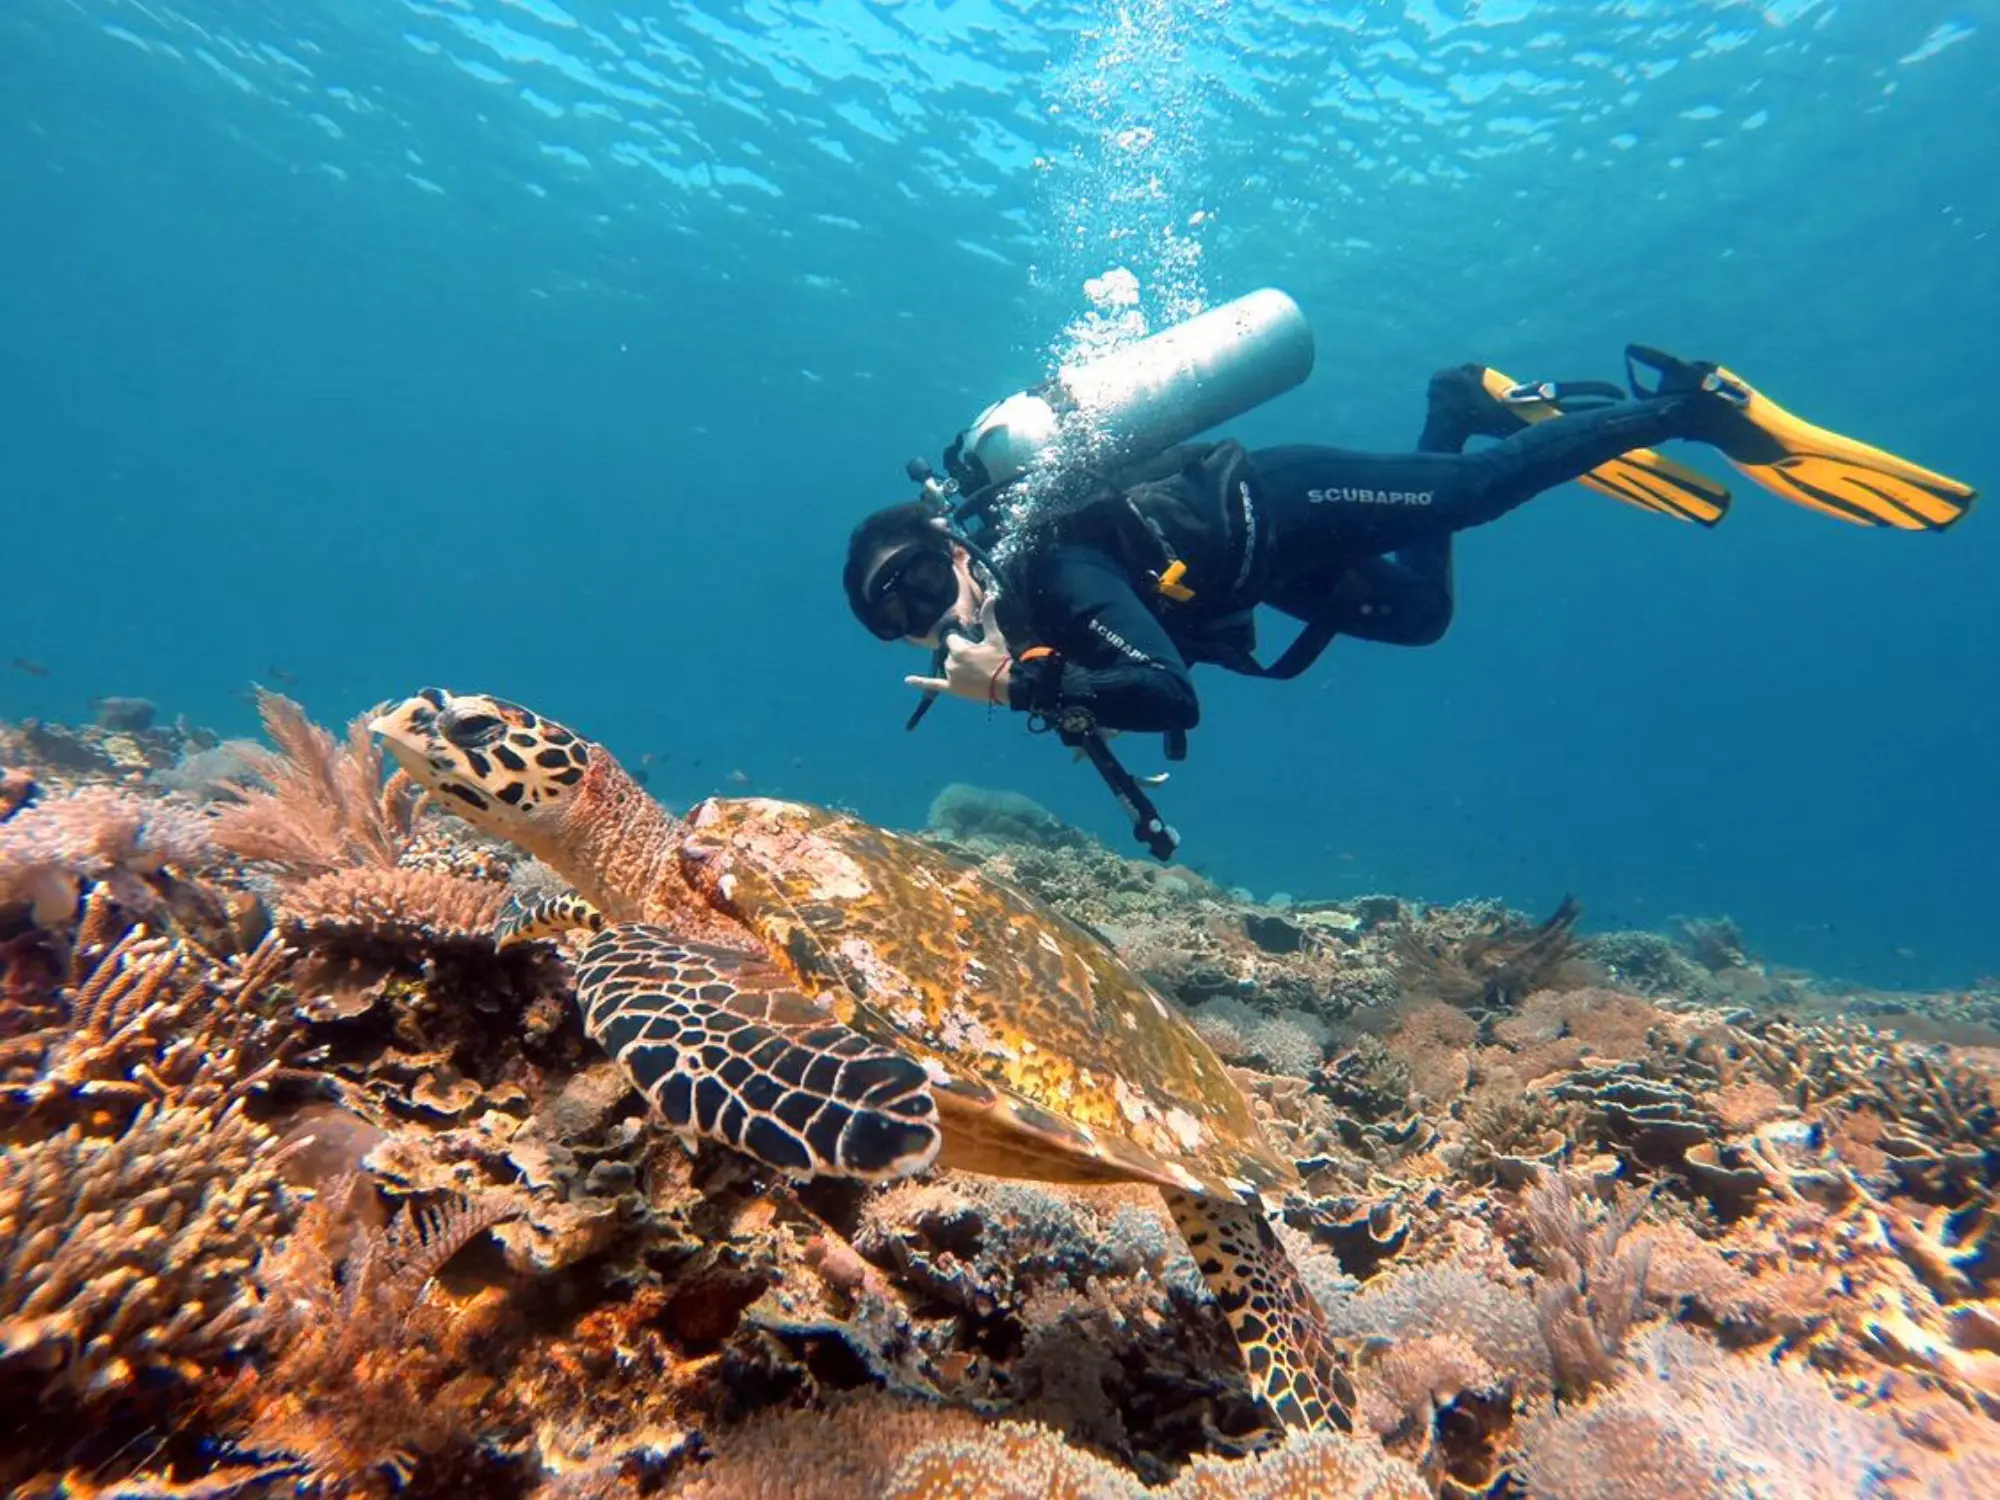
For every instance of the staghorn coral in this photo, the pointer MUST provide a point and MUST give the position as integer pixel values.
(1938, 1113)
(150, 1020)
(324, 805)
(124, 1259)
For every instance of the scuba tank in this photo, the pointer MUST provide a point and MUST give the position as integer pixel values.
(1123, 407)
(1146, 397)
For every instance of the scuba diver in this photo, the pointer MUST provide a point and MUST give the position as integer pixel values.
(1085, 609)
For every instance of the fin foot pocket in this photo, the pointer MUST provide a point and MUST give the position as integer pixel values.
(1808, 465)
(1641, 478)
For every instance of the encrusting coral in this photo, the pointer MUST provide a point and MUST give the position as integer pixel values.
(307, 1187)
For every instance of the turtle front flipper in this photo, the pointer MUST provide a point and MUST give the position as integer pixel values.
(543, 914)
(1294, 1367)
(726, 1048)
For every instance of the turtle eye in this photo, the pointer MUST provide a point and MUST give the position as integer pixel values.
(470, 731)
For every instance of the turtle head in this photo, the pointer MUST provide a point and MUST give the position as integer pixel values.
(502, 768)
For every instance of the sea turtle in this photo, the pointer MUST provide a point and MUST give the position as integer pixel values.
(832, 999)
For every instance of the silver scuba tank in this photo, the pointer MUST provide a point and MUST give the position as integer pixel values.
(1135, 401)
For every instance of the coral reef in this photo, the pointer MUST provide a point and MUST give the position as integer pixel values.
(308, 1187)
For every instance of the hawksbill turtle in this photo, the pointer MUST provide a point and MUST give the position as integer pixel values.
(833, 999)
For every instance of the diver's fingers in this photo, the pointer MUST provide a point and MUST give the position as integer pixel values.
(928, 684)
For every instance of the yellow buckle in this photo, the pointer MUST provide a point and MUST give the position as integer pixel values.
(1169, 583)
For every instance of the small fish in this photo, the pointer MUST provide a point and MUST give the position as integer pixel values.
(279, 674)
(32, 668)
(739, 778)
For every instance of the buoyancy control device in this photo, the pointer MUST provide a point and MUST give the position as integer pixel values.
(1120, 408)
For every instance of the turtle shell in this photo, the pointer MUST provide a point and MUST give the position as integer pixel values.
(1044, 1045)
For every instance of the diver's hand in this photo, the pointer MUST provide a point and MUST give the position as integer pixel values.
(974, 669)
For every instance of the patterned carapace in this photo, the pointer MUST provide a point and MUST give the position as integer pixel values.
(832, 999)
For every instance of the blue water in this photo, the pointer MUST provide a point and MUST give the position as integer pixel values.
(551, 350)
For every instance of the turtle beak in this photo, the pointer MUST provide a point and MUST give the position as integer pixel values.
(410, 728)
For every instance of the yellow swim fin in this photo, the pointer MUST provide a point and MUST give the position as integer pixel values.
(1808, 465)
(1640, 478)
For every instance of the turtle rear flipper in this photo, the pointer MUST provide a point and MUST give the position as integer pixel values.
(1294, 1367)
(543, 914)
(725, 1048)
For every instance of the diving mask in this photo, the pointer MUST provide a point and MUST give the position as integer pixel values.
(914, 588)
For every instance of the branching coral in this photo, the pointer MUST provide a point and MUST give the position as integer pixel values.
(151, 1020)
(1938, 1130)
(1291, 1042)
(125, 1258)
(1445, 1301)
(1019, 1461)
(136, 1192)
(1690, 1421)
(414, 907)
(324, 805)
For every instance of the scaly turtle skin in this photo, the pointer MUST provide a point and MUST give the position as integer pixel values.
(835, 1000)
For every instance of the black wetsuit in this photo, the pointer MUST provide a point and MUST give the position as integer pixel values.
(1354, 543)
